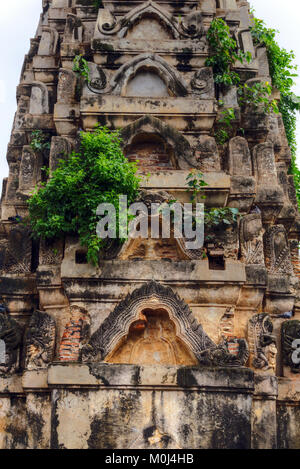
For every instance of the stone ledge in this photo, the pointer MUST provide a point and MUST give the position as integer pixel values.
(109, 375)
(35, 379)
(143, 270)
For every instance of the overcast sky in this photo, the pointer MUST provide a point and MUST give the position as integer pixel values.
(18, 23)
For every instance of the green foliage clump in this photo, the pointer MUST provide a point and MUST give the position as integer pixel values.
(218, 217)
(195, 183)
(81, 68)
(258, 96)
(40, 141)
(282, 71)
(225, 53)
(224, 122)
(67, 203)
(215, 217)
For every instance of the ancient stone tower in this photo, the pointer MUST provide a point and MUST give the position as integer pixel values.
(159, 346)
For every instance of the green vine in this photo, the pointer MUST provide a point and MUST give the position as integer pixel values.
(224, 124)
(40, 141)
(225, 53)
(195, 183)
(215, 217)
(282, 71)
(67, 203)
(257, 96)
(81, 68)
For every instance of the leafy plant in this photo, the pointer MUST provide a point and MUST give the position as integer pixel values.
(282, 71)
(215, 217)
(67, 203)
(218, 217)
(258, 96)
(224, 124)
(39, 141)
(81, 68)
(195, 183)
(225, 53)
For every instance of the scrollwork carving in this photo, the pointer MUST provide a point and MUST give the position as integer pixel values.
(40, 341)
(262, 342)
(117, 324)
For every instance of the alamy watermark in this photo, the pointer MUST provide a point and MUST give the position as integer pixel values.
(180, 220)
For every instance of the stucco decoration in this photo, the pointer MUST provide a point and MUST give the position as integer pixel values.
(184, 158)
(154, 295)
(40, 341)
(190, 26)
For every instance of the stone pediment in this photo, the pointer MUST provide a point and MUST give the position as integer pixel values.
(147, 308)
(108, 25)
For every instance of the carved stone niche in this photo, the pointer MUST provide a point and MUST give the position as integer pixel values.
(167, 78)
(177, 146)
(11, 334)
(60, 149)
(262, 343)
(154, 326)
(202, 83)
(274, 135)
(288, 212)
(277, 252)
(39, 100)
(170, 247)
(151, 152)
(51, 251)
(66, 87)
(74, 29)
(148, 21)
(251, 239)
(39, 341)
(239, 165)
(49, 41)
(30, 170)
(290, 343)
(137, 21)
(207, 155)
(269, 198)
(16, 251)
(222, 241)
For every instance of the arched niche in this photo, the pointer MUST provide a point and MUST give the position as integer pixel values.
(175, 144)
(149, 26)
(154, 297)
(151, 151)
(149, 20)
(147, 83)
(152, 339)
(154, 65)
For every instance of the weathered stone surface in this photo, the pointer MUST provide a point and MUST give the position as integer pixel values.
(92, 428)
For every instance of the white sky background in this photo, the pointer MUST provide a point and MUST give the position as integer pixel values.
(19, 20)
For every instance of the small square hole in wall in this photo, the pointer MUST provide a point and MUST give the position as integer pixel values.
(81, 257)
(216, 262)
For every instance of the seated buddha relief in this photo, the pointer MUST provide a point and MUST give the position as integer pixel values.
(152, 340)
